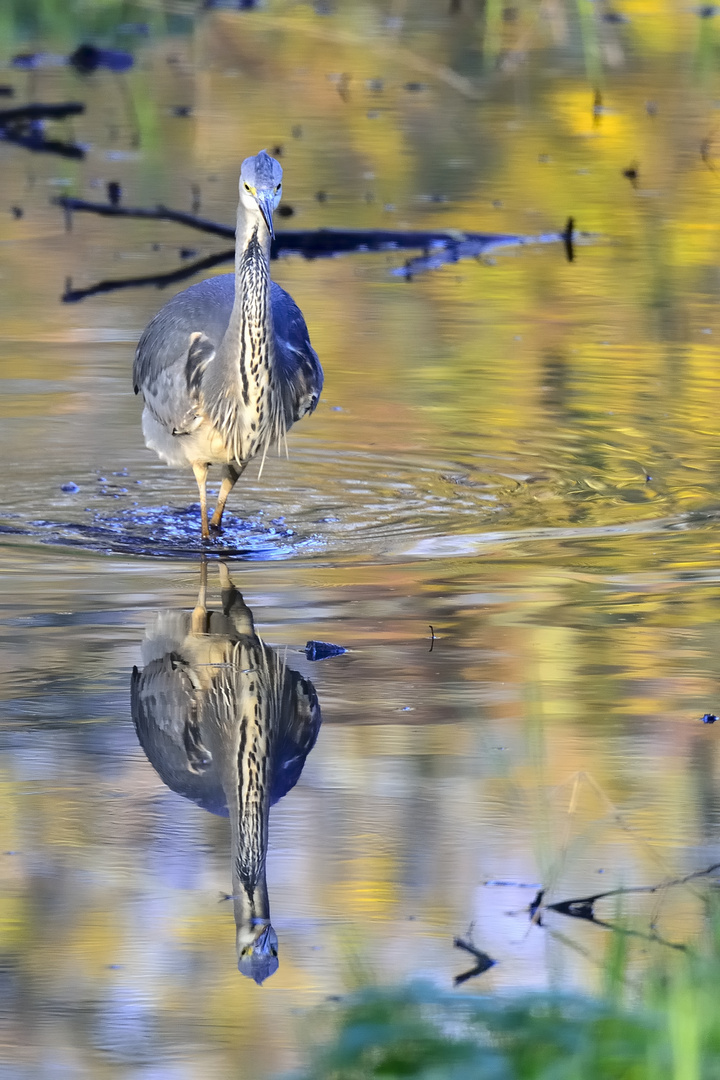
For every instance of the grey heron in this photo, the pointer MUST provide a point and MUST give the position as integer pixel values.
(226, 724)
(226, 366)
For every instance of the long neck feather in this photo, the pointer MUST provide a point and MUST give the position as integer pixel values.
(241, 392)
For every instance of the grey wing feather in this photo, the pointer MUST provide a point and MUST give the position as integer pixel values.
(160, 368)
(300, 371)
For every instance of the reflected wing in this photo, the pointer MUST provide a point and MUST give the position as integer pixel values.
(298, 728)
(166, 715)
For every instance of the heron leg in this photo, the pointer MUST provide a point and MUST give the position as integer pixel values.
(231, 474)
(199, 616)
(234, 607)
(201, 476)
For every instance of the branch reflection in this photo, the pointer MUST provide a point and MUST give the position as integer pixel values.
(226, 724)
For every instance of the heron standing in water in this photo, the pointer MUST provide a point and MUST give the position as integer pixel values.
(226, 367)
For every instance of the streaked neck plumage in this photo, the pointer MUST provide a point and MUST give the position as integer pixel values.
(248, 801)
(241, 403)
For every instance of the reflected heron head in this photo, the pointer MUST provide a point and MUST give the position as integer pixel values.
(261, 186)
(257, 950)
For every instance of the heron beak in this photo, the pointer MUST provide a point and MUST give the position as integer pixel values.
(265, 203)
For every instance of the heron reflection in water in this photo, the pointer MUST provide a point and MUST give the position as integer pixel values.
(225, 723)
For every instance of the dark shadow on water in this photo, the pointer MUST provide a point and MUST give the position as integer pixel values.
(225, 723)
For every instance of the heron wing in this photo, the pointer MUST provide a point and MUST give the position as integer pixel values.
(301, 377)
(170, 358)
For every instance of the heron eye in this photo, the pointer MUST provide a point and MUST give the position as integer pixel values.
(247, 186)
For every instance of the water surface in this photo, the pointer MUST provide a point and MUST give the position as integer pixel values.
(520, 453)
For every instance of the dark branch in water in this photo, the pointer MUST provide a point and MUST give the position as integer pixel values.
(24, 126)
(312, 243)
(483, 961)
(439, 248)
(567, 237)
(36, 111)
(160, 281)
(583, 907)
(157, 213)
(38, 144)
(588, 915)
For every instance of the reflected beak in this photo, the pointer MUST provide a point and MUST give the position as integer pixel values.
(265, 202)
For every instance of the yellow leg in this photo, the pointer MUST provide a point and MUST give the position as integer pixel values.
(201, 476)
(230, 479)
(199, 616)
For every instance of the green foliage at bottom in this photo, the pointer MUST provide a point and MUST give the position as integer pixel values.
(670, 1031)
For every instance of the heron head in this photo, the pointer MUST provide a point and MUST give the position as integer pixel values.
(261, 186)
(257, 950)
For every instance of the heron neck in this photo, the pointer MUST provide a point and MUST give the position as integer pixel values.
(251, 906)
(249, 826)
(239, 383)
(247, 787)
(250, 321)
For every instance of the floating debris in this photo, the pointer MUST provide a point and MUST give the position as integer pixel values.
(88, 58)
(70, 488)
(30, 61)
(567, 236)
(632, 174)
(483, 961)
(322, 650)
(709, 718)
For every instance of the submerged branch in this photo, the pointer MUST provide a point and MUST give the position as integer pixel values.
(38, 111)
(583, 907)
(24, 126)
(312, 243)
(160, 281)
(439, 247)
(156, 213)
(483, 962)
(35, 141)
